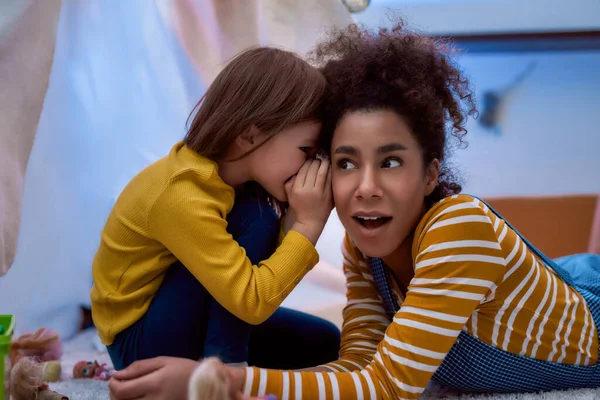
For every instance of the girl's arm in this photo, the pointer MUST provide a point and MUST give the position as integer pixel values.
(190, 223)
(459, 263)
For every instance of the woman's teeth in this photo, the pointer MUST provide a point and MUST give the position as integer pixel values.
(372, 222)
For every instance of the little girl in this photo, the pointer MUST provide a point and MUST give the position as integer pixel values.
(181, 270)
(440, 287)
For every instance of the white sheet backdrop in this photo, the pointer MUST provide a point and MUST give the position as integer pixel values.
(122, 84)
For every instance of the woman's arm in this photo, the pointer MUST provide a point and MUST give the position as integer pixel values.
(459, 263)
(365, 319)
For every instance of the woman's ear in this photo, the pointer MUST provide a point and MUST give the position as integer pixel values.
(248, 139)
(432, 175)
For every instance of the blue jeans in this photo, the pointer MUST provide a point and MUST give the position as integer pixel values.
(185, 321)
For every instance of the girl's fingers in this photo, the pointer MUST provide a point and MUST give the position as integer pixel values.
(288, 186)
(301, 175)
(328, 180)
(322, 174)
(139, 368)
(132, 389)
(313, 170)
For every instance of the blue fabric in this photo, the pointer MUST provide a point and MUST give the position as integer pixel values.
(291, 340)
(474, 366)
(382, 281)
(584, 270)
(183, 319)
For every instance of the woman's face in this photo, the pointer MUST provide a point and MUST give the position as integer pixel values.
(379, 180)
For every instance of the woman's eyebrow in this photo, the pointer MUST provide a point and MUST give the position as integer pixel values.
(387, 148)
(349, 150)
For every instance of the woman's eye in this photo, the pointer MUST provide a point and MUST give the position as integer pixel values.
(306, 149)
(391, 163)
(345, 164)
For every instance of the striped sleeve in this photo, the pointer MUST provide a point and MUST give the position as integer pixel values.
(459, 262)
(365, 319)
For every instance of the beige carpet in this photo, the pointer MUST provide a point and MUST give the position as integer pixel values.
(86, 347)
(589, 394)
(95, 390)
(435, 393)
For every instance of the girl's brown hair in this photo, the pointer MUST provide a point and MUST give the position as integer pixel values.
(264, 87)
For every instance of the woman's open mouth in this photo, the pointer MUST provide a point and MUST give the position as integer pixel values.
(372, 222)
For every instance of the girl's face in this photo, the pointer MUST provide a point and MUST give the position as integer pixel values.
(280, 158)
(379, 180)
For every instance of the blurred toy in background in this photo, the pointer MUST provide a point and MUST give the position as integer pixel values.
(44, 344)
(92, 370)
(44, 347)
(27, 383)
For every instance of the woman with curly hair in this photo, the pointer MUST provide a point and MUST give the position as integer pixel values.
(439, 286)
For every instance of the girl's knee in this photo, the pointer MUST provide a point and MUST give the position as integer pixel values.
(252, 213)
(254, 224)
(331, 335)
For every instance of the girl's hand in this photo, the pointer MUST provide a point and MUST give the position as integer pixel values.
(158, 378)
(309, 195)
(168, 378)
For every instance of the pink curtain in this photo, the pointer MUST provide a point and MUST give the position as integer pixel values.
(27, 38)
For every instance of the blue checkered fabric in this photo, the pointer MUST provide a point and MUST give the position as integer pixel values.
(474, 366)
(381, 277)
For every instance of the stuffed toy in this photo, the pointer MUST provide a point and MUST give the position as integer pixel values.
(26, 382)
(43, 346)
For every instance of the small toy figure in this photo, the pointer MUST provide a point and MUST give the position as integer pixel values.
(92, 370)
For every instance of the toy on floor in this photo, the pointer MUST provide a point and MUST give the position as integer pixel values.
(210, 381)
(43, 346)
(51, 371)
(26, 382)
(92, 370)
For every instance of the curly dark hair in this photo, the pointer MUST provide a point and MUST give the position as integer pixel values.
(403, 71)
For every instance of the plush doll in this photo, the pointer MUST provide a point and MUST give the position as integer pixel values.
(26, 382)
(92, 370)
(210, 381)
(44, 344)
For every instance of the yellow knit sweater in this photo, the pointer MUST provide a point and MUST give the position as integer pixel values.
(175, 209)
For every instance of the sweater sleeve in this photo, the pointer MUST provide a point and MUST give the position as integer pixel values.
(365, 319)
(191, 226)
(458, 264)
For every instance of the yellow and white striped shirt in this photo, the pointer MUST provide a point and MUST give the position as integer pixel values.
(472, 273)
